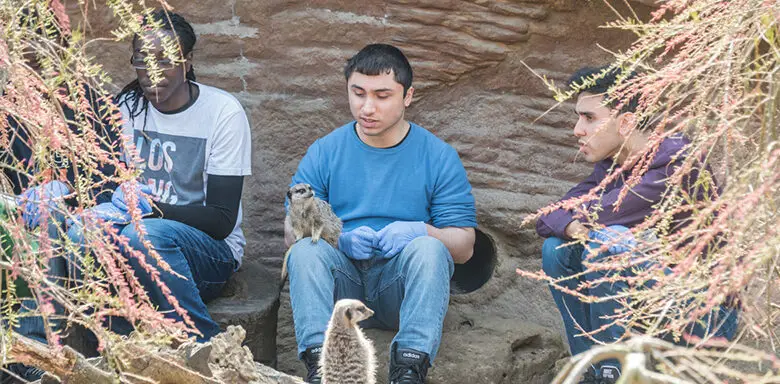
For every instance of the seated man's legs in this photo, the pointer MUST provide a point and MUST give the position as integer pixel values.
(720, 323)
(601, 313)
(206, 264)
(411, 292)
(560, 262)
(319, 274)
(33, 326)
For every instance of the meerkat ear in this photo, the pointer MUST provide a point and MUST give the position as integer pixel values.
(348, 314)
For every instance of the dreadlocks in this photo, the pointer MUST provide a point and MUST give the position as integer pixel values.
(132, 94)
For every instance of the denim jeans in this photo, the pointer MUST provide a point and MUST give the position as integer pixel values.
(409, 292)
(33, 326)
(561, 261)
(204, 262)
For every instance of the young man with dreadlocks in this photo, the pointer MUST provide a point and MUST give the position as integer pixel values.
(408, 215)
(193, 142)
(194, 146)
(609, 136)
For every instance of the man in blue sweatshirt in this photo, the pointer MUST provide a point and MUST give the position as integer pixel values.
(408, 215)
(609, 136)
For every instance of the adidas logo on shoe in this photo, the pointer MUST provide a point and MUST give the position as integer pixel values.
(410, 355)
(610, 373)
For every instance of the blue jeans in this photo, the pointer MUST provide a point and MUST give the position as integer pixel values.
(561, 261)
(409, 292)
(204, 262)
(33, 326)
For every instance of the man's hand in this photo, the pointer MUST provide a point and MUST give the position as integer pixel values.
(575, 230)
(619, 238)
(30, 200)
(358, 244)
(119, 198)
(393, 238)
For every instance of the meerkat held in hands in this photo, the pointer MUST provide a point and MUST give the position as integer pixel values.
(347, 355)
(310, 216)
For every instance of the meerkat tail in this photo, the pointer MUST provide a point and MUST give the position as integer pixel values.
(284, 265)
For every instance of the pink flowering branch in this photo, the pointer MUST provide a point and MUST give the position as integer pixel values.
(707, 69)
(102, 284)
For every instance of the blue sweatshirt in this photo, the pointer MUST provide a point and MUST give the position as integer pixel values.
(420, 179)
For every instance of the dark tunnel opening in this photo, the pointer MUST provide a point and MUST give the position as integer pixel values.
(479, 269)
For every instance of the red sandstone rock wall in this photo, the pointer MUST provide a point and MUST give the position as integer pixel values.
(283, 60)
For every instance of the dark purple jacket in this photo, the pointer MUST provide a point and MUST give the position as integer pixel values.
(636, 205)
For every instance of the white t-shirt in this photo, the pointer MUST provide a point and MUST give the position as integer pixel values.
(178, 151)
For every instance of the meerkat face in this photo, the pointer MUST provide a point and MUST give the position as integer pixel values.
(352, 311)
(300, 191)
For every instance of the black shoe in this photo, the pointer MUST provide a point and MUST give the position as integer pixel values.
(311, 357)
(408, 366)
(25, 372)
(609, 374)
(590, 377)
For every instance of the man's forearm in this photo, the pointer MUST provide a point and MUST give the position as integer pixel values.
(459, 241)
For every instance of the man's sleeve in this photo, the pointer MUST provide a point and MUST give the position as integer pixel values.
(638, 202)
(312, 170)
(555, 222)
(218, 217)
(452, 204)
(231, 148)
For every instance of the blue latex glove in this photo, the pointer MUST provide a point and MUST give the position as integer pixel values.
(30, 200)
(110, 212)
(106, 212)
(358, 244)
(619, 238)
(142, 192)
(393, 238)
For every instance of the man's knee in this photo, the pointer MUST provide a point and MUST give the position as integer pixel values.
(427, 253)
(553, 256)
(614, 239)
(154, 233)
(307, 254)
(152, 230)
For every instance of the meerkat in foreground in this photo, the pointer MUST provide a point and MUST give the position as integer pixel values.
(310, 216)
(347, 355)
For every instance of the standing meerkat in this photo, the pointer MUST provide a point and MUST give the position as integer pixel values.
(310, 216)
(347, 355)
